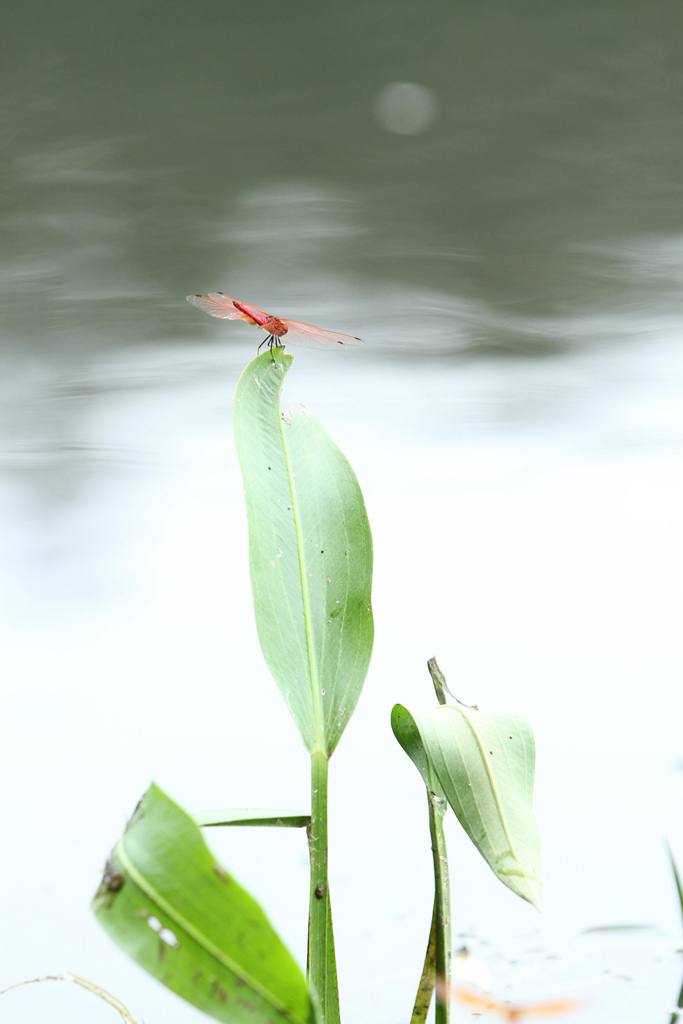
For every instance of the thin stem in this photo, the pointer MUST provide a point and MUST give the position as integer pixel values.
(679, 889)
(428, 979)
(89, 985)
(439, 681)
(321, 966)
(442, 903)
(441, 688)
(436, 973)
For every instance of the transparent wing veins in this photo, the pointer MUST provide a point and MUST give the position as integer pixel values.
(220, 305)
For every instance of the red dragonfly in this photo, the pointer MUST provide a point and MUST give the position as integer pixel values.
(224, 306)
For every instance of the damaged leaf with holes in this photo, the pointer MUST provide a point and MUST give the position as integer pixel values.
(167, 902)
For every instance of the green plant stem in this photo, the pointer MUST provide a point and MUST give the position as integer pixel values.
(321, 966)
(438, 681)
(442, 904)
(436, 973)
(437, 968)
(427, 981)
(679, 889)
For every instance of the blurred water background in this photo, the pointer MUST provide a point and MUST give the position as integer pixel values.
(490, 195)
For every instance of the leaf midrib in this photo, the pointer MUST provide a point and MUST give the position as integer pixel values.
(490, 777)
(318, 723)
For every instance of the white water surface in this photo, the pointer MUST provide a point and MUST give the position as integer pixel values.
(526, 518)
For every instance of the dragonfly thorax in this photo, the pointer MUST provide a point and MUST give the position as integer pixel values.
(274, 327)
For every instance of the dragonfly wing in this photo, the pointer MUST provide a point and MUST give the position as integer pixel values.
(228, 299)
(315, 337)
(224, 307)
(216, 304)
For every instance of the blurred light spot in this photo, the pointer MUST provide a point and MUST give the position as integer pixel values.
(405, 108)
(470, 968)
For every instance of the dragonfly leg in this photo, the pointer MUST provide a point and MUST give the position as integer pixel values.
(272, 341)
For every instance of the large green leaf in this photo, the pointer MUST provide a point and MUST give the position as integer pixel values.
(171, 906)
(485, 765)
(310, 554)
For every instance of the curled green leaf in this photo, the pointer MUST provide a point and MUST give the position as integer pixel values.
(485, 766)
